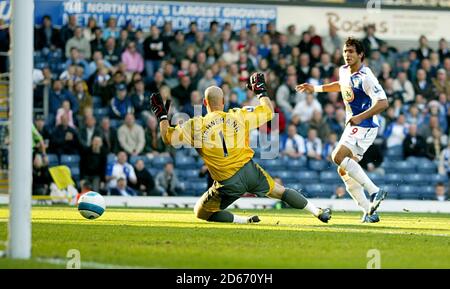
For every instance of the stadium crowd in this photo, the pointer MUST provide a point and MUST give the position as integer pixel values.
(92, 86)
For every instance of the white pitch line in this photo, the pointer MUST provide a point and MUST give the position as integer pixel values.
(93, 265)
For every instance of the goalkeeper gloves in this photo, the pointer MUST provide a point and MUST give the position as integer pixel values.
(257, 84)
(158, 107)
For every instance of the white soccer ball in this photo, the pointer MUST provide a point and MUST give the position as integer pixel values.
(91, 205)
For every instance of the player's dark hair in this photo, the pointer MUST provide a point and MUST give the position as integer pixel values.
(357, 44)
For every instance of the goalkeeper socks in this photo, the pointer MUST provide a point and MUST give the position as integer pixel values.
(222, 217)
(356, 172)
(356, 191)
(296, 200)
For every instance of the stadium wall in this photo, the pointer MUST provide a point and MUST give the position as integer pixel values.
(346, 205)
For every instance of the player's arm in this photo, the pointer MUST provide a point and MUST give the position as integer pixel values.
(376, 92)
(263, 112)
(330, 87)
(170, 135)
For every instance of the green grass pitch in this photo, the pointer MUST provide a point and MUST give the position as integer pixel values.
(169, 238)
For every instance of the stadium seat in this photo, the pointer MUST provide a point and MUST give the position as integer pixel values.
(188, 174)
(133, 159)
(101, 112)
(376, 178)
(407, 192)
(427, 193)
(394, 153)
(111, 158)
(116, 123)
(296, 186)
(274, 164)
(330, 177)
(198, 188)
(153, 171)
(436, 178)
(185, 163)
(295, 164)
(75, 171)
(286, 176)
(403, 167)
(70, 160)
(416, 179)
(318, 165)
(393, 191)
(159, 162)
(96, 102)
(319, 191)
(426, 166)
(396, 179)
(52, 160)
(307, 177)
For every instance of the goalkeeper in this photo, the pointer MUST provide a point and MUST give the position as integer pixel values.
(222, 140)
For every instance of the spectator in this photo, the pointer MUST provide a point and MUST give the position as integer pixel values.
(287, 97)
(109, 136)
(64, 139)
(77, 59)
(93, 162)
(178, 47)
(265, 46)
(329, 147)
(111, 52)
(82, 44)
(232, 55)
(441, 192)
(195, 107)
(141, 100)
(332, 41)
(47, 36)
(313, 145)
(320, 125)
(403, 86)
(206, 82)
(325, 66)
(441, 83)
(413, 144)
(154, 50)
(89, 30)
(396, 132)
(428, 126)
(294, 145)
(121, 104)
(120, 169)
(82, 96)
(424, 50)
(68, 30)
(41, 176)
(111, 30)
(305, 44)
(145, 183)
(435, 144)
(153, 143)
(131, 136)
(339, 193)
(292, 37)
(182, 92)
(123, 40)
(167, 182)
(132, 59)
(370, 42)
(65, 110)
(304, 69)
(305, 108)
(413, 116)
(443, 50)
(158, 82)
(444, 161)
(97, 43)
(122, 189)
(58, 95)
(89, 131)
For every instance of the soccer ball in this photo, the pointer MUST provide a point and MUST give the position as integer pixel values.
(91, 205)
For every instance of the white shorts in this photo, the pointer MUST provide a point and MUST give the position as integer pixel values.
(358, 139)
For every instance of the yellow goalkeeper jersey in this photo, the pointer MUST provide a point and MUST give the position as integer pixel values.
(221, 138)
